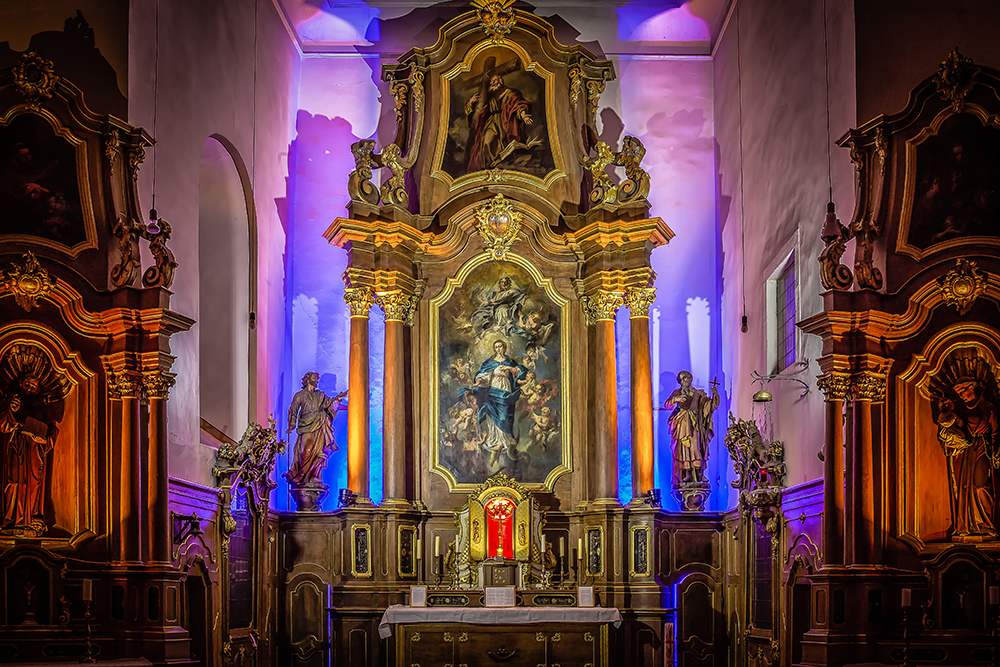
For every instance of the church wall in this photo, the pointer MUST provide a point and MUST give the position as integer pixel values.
(206, 87)
(900, 43)
(775, 56)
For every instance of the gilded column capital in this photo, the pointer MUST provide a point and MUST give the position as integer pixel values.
(868, 386)
(397, 305)
(638, 300)
(157, 383)
(836, 386)
(359, 300)
(124, 384)
(601, 305)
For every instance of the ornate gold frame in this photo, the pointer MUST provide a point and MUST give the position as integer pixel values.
(509, 176)
(354, 551)
(632, 571)
(82, 181)
(564, 340)
(399, 551)
(586, 545)
(909, 186)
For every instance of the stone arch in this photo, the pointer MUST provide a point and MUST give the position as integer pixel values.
(227, 242)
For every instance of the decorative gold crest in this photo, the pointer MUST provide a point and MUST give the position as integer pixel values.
(955, 78)
(29, 284)
(496, 17)
(35, 77)
(499, 225)
(961, 286)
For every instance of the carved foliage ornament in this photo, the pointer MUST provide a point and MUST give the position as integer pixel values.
(601, 305)
(955, 78)
(250, 464)
(639, 299)
(35, 78)
(835, 235)
(496, 17)
(635, 187)
(836, 386)
(359, 300)
(359, 185)
(868, 386)
(28, 284)
(399, 305)
(498, 225)
(961, 286)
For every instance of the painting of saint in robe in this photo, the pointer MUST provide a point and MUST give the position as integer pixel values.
(965, 411)
(500, 366)
(39, 191)
(497, 118)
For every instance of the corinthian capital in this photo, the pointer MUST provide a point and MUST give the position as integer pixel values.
(157, 383)
(124, 384)
(397, 305)
(834, 385)
(601, 304)
(868, 386)
(638, 300)
(359, 300)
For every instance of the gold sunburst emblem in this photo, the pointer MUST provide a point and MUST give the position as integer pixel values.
(35, 77)
(499, 225)
(29, 284)
(496, 17)
(961, 286)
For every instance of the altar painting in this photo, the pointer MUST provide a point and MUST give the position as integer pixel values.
(39, 191)
(497, 118)
(500, 388)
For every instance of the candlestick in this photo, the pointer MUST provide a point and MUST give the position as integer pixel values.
(994, 595)
(420, 549)
(88, 592)
(543, 544)
(562, 547)
(437, 546)
(907, 595)
(579, 547)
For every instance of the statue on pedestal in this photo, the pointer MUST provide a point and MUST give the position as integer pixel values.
(311, 413)
(690, 432)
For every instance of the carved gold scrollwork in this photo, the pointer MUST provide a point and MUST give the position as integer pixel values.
(359, 300)
(835, 235)
(161, 274)
(868, 275)
(399, 91)
(868, 386)
(498, 225)
(836, 386)
(112, 147)
(417, 87)
(35, 78)
(601, 305)
(398, 305)
(496, 18)
(28, 283)
(127, 269)
(638, 300)
(636, 183)
(123, 384)
(955, 78)
(135, 158)
(595, 88)
(359, 184)
(575, 84)
(962, 285)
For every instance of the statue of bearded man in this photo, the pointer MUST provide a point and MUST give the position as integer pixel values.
(311, 414)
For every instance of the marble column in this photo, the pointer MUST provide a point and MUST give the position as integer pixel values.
(638, 300)
(124, 390)
(360, 300)
(398, 306)
(867, 388)
(157, 385)
(835, 386)
(601, 307)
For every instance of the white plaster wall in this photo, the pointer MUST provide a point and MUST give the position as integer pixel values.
(205, 86)
(774, 52)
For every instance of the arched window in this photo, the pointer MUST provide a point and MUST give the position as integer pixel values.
(225, 289)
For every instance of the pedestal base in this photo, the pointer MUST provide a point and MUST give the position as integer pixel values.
(692, 495)
(309, 498)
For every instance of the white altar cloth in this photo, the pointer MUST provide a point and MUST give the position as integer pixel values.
(398, 613)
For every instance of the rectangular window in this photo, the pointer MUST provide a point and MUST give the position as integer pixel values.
(785, 314)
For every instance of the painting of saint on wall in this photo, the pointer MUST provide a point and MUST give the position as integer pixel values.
(957, 184)
(497, 118)
(499, 374)
(39, 191)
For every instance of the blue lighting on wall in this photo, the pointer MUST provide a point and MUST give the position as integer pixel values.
(623, 373)
(376, 365)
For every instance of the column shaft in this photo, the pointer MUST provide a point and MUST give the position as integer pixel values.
(833, 484)
(394, 413)
(357, 409)
(861, 501)
(642, 408)
(158, 533)
(606, 415)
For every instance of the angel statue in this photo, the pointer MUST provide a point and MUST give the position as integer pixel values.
(31, 405)
(691, 431)
(965, 409)
(311, 413)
